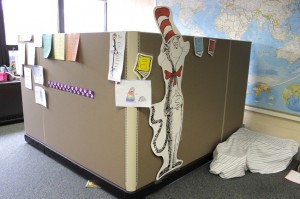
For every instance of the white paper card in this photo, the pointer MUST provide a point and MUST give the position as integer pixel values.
(40, 96)
(27, 77)
(21, 50)
(30, 53)
(38, 74)
(38, 40)
(116, 55)
(293, 176)
(133, 93)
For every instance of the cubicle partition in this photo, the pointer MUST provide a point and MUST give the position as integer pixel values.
(112, 145)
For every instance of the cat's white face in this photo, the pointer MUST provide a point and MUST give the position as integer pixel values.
(175, 48)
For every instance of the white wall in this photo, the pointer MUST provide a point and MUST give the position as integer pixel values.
(131, 15)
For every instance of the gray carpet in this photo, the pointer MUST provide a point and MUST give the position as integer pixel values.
(26, 173)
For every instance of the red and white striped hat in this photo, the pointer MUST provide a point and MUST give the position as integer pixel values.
(162, 16)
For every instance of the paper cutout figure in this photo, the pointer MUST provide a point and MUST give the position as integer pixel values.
(116, 56)
(47, 44)
(166, 117)
(133, 93)
(211, 47)
(198, 46)
(72, 46)
(143, 66)
(59, 46)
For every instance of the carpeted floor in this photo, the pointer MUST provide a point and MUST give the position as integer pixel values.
(26, 173)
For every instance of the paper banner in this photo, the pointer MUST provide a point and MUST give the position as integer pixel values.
(47, 44)
(133, 93)
(40, 96)
(71, 89)
(116, 55)
(198, 46)
(72, 46)
(38, 74)
(27, 78)
(211, 47)
(143, 66)
(30, 53)
(59, 46)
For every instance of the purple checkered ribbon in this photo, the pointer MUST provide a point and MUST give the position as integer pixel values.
(71, 89)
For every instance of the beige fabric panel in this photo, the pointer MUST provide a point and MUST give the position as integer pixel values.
(88, 131)
(32, 113)
(237, 84)
(204, 90)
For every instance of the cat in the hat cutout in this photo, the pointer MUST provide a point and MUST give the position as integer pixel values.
(166, 117)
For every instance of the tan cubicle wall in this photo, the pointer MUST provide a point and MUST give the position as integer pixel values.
(114, 143)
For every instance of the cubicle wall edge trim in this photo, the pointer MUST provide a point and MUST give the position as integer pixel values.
(109, 186)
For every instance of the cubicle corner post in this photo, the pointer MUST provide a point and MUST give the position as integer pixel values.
(238, 67)
(131, 116)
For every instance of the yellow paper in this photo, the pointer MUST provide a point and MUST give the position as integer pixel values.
(143, 66)
(59, 46)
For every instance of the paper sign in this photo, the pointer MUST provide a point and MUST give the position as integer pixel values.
(38, 40)
(47, 44)
(198, 46)
(211, 47)
(30, 53)
(38, 74)
(59, 46)
(133, 93)
(40, 96)
(293, 176)
(27, 77)
(72, 46)
(143, 66)
(116, 55)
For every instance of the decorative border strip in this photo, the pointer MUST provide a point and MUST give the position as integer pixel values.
(71, 89)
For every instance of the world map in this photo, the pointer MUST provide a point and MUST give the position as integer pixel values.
(272, 26)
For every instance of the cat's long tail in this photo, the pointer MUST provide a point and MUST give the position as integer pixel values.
(160, 121)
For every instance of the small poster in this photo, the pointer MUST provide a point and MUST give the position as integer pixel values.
(40, 96)
(143, 66)
(27, 78)
(211, 47)
(133, 93)
(72, 46)
(198, 46)
(59, 46)
(116, 55)
(38, 74)
(47, 44)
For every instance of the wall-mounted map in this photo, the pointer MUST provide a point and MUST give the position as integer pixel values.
(274, 29)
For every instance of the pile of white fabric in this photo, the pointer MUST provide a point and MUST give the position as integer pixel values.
(248, 150)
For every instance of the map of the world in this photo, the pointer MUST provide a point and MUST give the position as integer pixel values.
(273, 27)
